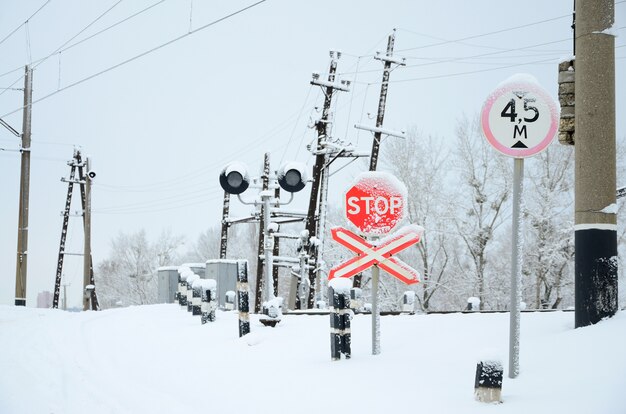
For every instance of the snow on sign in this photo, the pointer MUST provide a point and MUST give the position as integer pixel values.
(519, 118)
(375, 202)
(381, 255)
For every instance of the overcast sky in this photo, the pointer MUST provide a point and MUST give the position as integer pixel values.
(160, 128)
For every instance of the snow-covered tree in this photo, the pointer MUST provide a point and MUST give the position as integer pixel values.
(549, 216)
(421, 163)
(482, 179)
(128, 275)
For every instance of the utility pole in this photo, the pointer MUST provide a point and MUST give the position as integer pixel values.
(388, 60)
(259, 269)
(595, 224)
(66, 218)
(225, 226)
(321, 158)
(89, 298)
(276, 248)
(22, 225)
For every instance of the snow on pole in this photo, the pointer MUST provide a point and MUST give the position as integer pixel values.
(196, 297)
(340, 315)
(190, 279)
(516, 268)
(183, 274)
(243, 300)
(209, 300)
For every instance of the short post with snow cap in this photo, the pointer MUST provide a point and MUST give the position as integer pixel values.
(190, 280)
(243, 298)
(519, 119)
(340, 315)
(292, 178)
(208, 300)
(375, 204)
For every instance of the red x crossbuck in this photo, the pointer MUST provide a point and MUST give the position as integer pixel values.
(369, 255)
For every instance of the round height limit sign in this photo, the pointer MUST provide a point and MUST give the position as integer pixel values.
(519, 118)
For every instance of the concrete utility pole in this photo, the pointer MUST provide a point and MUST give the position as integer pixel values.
(22, 224)
(259, 268)
(88, 285)
(225, 226)
(595, 223)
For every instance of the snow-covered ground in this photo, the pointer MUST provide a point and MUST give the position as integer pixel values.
(160, 359)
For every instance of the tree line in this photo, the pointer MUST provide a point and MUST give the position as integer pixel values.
(459, 190)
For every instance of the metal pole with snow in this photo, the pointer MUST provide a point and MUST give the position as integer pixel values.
(519, 119)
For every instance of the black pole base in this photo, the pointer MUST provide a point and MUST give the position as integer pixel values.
(20, 302)
(595, 276)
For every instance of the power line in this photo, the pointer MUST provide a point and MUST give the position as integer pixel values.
(25, 21)
(449, 75)
(90, 37)
(487, 34)
(64, 44)
(102, 72)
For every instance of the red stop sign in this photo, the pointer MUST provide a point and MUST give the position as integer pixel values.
(375, 203)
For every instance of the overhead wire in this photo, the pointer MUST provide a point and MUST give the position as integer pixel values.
(154, 49)
(25, 22)
(91, 36)
(68, 41)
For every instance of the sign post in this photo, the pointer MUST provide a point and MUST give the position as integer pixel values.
(519, 119)
(375, 204)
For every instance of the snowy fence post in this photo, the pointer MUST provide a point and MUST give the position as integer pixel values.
(196, 297)
(190, 279)
(182, 287)
(473, 304)
(408, 301)
(229, 300)
(340, 315)
(488, 383)
(209, 300)
(356, 299)
(243, 299)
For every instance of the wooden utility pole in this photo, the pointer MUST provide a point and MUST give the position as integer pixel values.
(595, 221)
(259, 270)
(321, 159)
(225, 226)
(388, 60)
(22, 225)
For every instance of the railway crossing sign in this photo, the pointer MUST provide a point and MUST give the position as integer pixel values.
(519, 118)
(381, 255)
(375, 202)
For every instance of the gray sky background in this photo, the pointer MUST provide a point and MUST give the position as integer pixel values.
(160, 128)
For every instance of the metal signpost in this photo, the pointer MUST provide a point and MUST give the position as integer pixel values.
(375, 204)
(519, 119)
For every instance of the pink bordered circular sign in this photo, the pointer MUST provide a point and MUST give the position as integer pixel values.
(519, 118)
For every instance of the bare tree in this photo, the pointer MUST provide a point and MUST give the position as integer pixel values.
(486, 177)
(420, 162)
(549, 247)
(128, 276)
